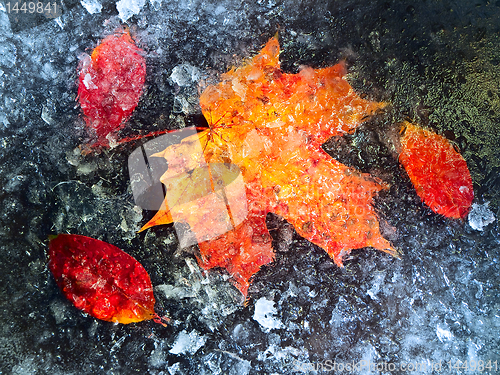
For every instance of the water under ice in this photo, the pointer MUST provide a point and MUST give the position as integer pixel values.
(439, 302)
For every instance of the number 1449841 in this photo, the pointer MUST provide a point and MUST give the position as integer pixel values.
(472, 365)
(31, 7)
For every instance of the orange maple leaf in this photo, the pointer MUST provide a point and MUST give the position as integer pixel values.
(270, 126)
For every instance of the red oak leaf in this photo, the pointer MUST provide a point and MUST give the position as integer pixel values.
(110, 85)
(270, 125)
(101, 280)
(438, 172)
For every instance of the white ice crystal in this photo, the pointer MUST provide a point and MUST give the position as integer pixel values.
(128, 8)
(185, 75)
(188, 343)
(443, 333)
(8, 54)
(92, 6)
(5, 29)
(480, 216)
(264, 311)
(156, 4)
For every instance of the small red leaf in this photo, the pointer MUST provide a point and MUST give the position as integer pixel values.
(438, 172)
(110, 85)
(100, 279)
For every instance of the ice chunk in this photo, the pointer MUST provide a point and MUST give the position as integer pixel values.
(378, 281)
(175, 369)
(472, 349)
(158, 356)
(443, 333)
(171, 291)
(92, 6)
(480, 216)
(14, 183)
(59, 311)
(118, 344)
(181, 105)
(87, 81)
(128, 8)
(211, 293)
(156, 4)
(8, 54)
(264, 311)
(48, 72)
(5, 29)
(281, 353)
(26, 366)
(46, 115)
(223, 362)
(185, 75)
(188, 342)
(4, 121)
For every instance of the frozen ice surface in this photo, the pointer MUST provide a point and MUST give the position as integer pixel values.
(438, 302)
(209, 293)
(129, 8)
(92, 6)
(480, 216)
(264, 314)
